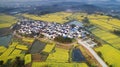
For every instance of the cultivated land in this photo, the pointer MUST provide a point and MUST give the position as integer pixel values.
(103, 29)
(12, 52)
(110, 55)
(108, 37)
(60, 17)
(105, 26)
(49, 64)
(6, 20)
(59, 55)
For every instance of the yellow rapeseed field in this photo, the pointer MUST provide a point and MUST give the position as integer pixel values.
(60, 55)
(6, 20)
(110, 55)
(50, 64)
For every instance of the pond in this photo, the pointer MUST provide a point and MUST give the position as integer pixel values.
(5, 40)
(37, 47)
(77, 55)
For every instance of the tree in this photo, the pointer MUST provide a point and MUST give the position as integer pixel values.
(63, 39)
(86, 20)
(117, 32)
(99, 53)
(73, 25)
(1, 63)
(18, 62)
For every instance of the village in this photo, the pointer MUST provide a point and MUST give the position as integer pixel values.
(51, 30)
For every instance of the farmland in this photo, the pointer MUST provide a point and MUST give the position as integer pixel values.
(59, 55)
(108, 37)
(103, 30)
(110, 55)
(60, 17)
(48, 48)
(12, 51)
(2, 49)
(104, 22)
(28, 59)
(5, 40)
(6, 22)
(52, 55)
(43, 64)
(29, 40)
(22, 47)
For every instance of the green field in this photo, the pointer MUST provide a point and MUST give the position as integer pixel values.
(104, 22)
(110, 55)
(2, 49)
(5, 55)
(60, 55)
(110, 52)
(59, 17)
(26, 39)
(49, 47)
(46, 64)
(22, 47)
(14, 50)
(108, 37)
(28, 58)
(6, 20)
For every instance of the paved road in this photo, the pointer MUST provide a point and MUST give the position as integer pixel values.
(83, 43)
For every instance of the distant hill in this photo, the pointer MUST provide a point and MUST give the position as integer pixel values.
(89, 8)
(43, 8)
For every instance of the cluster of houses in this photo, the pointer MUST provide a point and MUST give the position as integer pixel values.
(50, 30)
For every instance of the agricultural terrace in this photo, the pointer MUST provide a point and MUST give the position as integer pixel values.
(6, 20)
(49, 47)
(77, 16)
(6, 54)
(110, 38)
(44, 64)
(27, 58)
(104, 22)
(2, 49)
(105, 19)
(14, 44)
(26, 39)
(15, 53)
(110, 55)
(59, 55)
(22, 47)
(14, 50)
(59, 17)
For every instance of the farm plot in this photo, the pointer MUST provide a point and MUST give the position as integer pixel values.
(44, 64)
(2, 49)
(5, 40)
(60, 55)
(6, 20)
(110, 55)
(6, 54)
(28, 58)
(110, 38)
(59, 17)
(29, 40)
(16, 52)
(22, 47)
(49, 47)
(37, 47)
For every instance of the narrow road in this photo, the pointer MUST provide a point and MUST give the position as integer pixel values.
(83, 43)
